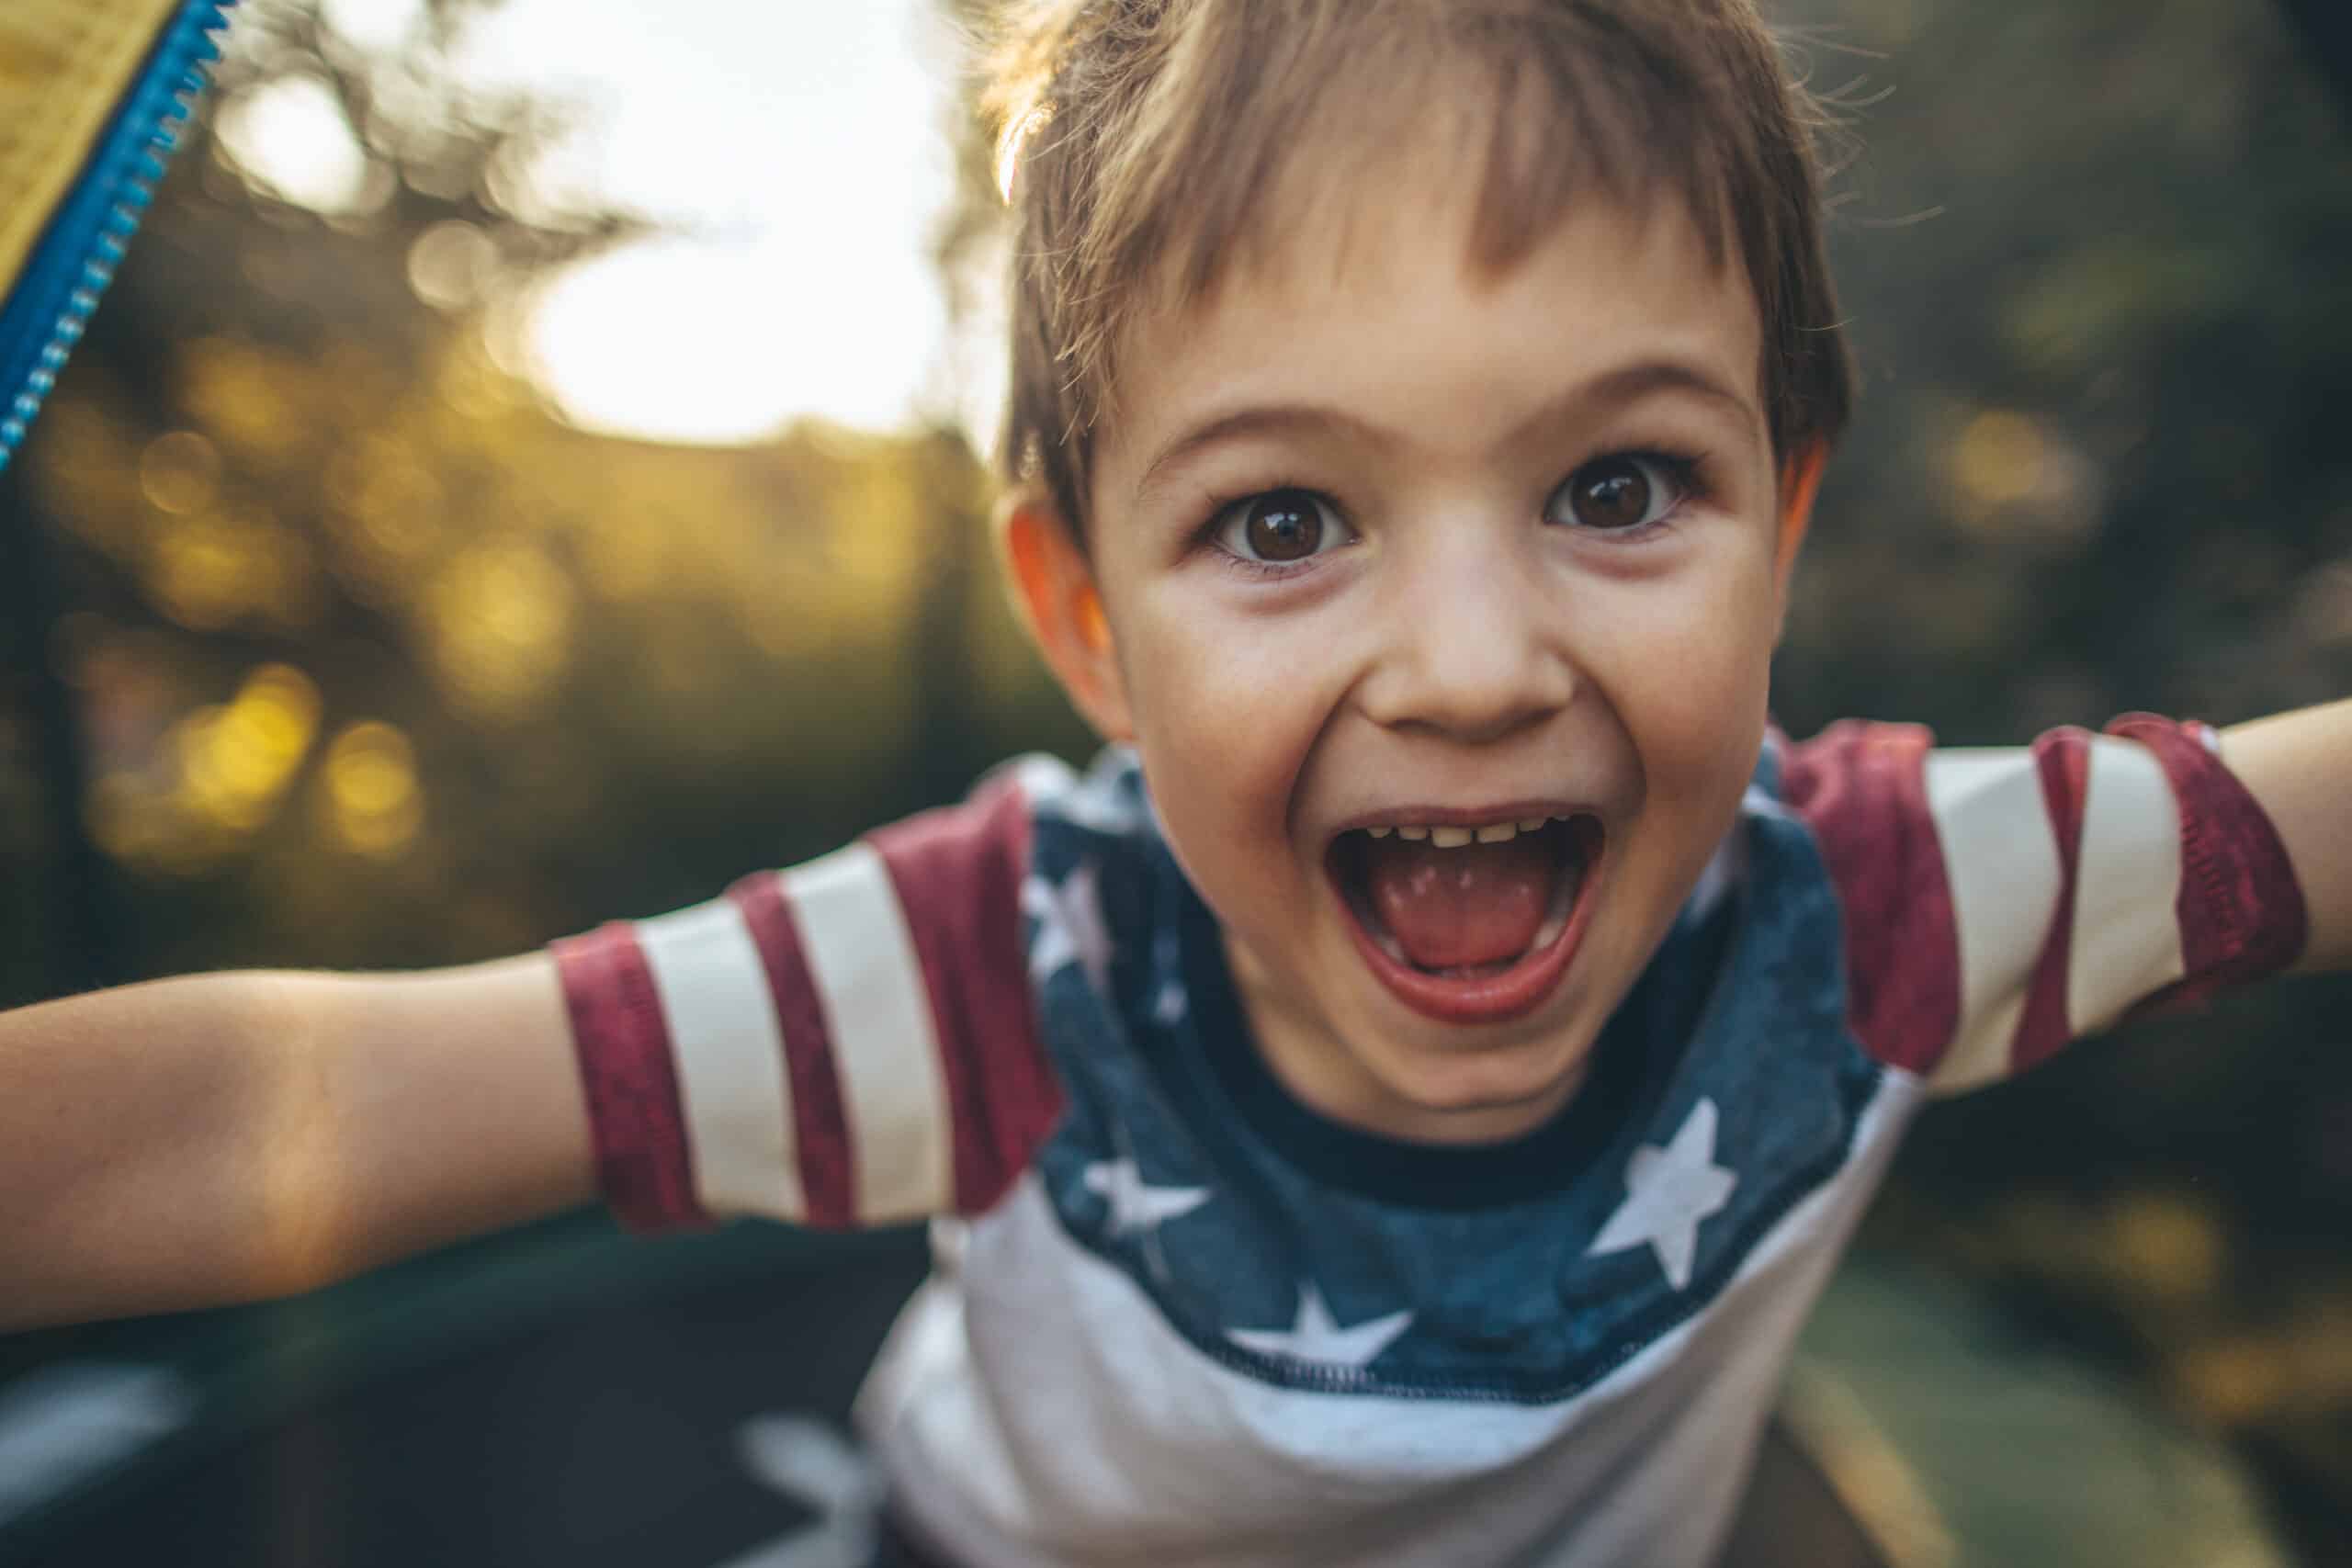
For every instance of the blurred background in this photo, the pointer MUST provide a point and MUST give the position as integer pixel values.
(526, 476)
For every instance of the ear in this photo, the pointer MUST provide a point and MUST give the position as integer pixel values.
(1054, 588)
(1799, 483)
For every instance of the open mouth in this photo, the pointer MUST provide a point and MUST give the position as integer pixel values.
(1469, 923)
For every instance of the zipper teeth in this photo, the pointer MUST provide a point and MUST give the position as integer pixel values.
(100, 213)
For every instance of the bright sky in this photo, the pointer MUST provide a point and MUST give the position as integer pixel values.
(802, 141)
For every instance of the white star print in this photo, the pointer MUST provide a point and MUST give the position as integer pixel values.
(806, 1462)
(1315, 1338)
(1097, 809)
(1755, 802)
(1069, 927)
(1668, 1191)
(1135, 1205)
(1097, 804)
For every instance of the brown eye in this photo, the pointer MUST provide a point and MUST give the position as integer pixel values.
(1278, 527)
(1284, 527)
(1614, 493)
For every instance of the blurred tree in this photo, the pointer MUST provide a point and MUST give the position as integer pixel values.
(380, 662)
(2091, 262)
(430, 155)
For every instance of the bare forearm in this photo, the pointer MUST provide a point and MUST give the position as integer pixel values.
(137, 1132)
(2300, 766)
(229, 1137)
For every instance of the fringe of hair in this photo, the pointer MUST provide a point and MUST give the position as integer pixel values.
(1139, 142)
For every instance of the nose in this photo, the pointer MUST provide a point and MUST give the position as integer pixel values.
(1474, 647)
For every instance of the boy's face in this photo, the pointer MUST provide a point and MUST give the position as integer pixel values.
(1386, 544)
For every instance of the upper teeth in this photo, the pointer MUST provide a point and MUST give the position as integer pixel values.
(1454, 838)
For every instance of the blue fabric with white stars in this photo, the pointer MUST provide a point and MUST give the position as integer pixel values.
(1309, 1255)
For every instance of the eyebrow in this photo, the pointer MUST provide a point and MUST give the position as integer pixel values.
(1623, 384)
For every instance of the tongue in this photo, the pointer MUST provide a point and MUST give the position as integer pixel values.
(1452, 909)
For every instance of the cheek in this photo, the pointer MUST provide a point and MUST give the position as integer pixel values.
(1221, 693)
(1694, 704)
(1227, 707)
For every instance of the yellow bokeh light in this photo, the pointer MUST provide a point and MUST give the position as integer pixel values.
(2000, 457)
(498, 622)
(369, 794)
(2235, 1381)
(390, 501)
(240, 392)
(2171, 1246)
(203, 572)
(236, 761)
(180, 472)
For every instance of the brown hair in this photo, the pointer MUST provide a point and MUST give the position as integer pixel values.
(1139, 137)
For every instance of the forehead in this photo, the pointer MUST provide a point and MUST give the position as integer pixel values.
(1368, 294)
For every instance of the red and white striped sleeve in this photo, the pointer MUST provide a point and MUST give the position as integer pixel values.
(2000, 902)
(848, 1043)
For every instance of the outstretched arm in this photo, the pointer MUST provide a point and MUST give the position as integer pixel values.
(227, 1137)
(2299, 765)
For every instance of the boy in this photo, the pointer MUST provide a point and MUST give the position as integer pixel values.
(1411, 1129)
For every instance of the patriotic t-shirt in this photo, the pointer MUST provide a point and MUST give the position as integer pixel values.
(1179, 1318)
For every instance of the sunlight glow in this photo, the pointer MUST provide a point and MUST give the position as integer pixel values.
(684, 341)
(371, 24)
(792, 153)
(798, 152)
(291, 138)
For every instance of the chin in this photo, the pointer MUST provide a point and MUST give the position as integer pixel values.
(1481, 1094)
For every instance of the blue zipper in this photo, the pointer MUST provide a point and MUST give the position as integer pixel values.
(75, 259)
